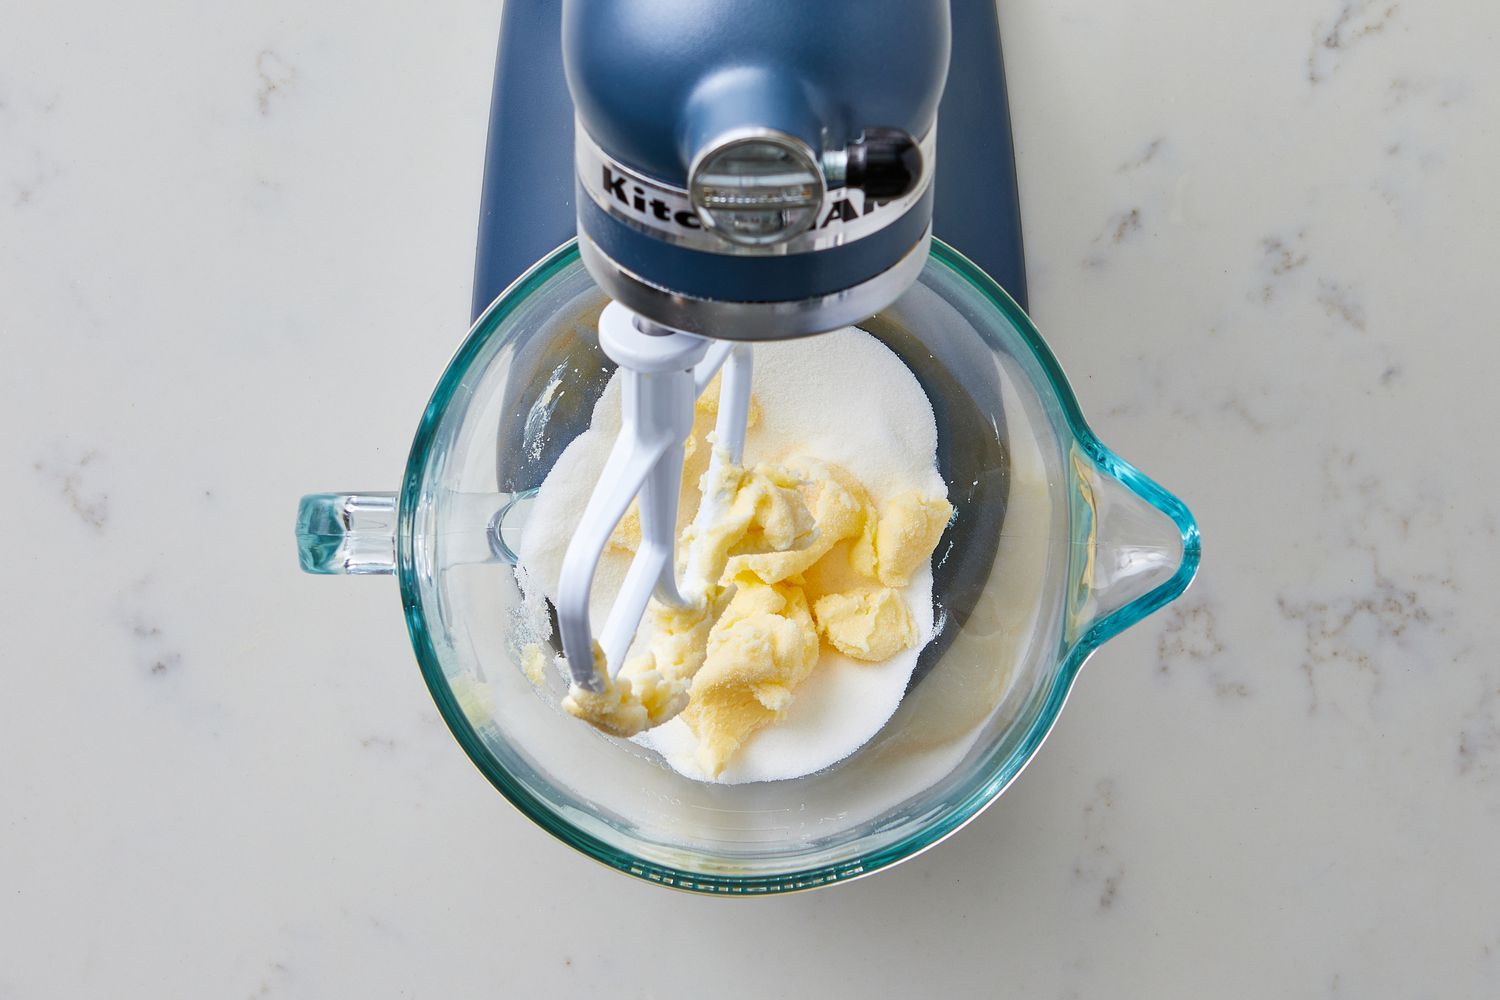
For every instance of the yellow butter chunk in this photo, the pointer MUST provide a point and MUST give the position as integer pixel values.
(871, 626)
(679, 642)
(627, 534)
(626, 705)
(763, 646)
(840, 509)
(766, 513)
(475, 698)
(534, 662)
(909, 529)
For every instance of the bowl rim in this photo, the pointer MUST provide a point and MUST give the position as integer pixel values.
(956, 815)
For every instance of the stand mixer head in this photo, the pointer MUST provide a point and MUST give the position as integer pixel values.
(739, 179)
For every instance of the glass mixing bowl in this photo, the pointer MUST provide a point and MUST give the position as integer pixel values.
(1057, 546)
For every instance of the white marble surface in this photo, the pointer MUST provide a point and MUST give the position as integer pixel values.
(235, 246)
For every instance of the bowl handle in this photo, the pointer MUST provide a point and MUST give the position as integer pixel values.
(347, 533)
(1137, 550)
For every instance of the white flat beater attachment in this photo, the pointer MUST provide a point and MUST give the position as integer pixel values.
(663, 372)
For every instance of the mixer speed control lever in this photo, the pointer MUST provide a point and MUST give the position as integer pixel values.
(884, 163)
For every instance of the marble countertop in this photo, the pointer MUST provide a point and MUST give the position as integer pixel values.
(235, 252)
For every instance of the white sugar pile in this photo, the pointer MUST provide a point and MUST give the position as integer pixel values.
(841, 397)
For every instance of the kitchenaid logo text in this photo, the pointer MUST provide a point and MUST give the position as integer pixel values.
(627, 194)
(667, 212)
(656, 208)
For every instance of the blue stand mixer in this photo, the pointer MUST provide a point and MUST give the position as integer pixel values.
(740, 171)
(671, 187)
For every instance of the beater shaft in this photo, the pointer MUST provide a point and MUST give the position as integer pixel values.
(662, 372)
